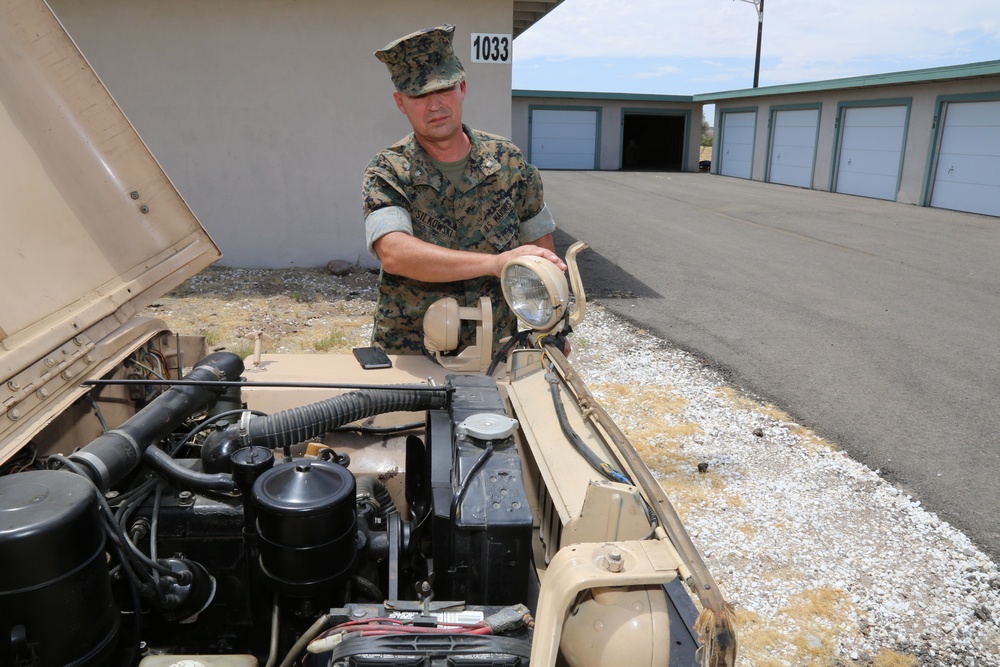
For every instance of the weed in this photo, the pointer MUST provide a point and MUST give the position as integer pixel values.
(333, 340)
(212, 336)
(242, 349)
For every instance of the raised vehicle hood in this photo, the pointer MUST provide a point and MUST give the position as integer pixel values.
(92, 228)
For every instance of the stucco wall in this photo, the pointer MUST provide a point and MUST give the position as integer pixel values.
(265, 113)
(610, 130)
(921, 97)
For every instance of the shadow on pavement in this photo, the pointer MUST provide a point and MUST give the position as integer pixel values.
(603, 279)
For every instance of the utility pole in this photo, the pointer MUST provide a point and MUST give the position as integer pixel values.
(759, 6)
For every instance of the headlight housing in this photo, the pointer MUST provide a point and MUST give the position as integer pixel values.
(536, 290)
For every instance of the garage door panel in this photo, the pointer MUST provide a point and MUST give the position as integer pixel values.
(974, 169)
(967, 197)
(567, 130)
(739, 152)
(793, 147)
(787, 175)
(796, 136)
(972, 114)
(971, 140)
(967, 168)
(862, 183)
(798, 118)
(861, 161)
(873, 138)
(794, 156)
(570, 147)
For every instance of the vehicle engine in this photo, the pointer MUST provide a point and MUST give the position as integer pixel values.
(210, 533)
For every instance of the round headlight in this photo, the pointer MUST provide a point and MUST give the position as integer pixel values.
(535, 290)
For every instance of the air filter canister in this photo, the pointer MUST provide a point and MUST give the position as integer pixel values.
(55, 590)
(307, 527)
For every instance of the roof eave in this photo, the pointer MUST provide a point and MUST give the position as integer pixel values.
(930, 75)
(529, 12)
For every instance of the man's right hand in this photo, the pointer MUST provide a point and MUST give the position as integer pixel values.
(537, 251)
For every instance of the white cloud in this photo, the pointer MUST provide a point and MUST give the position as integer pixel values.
(663, 70)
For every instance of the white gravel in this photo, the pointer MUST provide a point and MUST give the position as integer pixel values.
(825, 562)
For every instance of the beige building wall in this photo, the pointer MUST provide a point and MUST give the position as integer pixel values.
(921, 97)
(610, 150)
(265, 113)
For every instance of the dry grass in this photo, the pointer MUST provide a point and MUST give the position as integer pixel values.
(886, 658)
(652, 418)
(808, 440)
(297, 310)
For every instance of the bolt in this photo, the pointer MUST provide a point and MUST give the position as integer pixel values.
(185, 498)
(134, 195)
(613, 561)
(50, 362)
(14, 414)
(68, 374)
(42, 393)
(144, 209)
(13, 385)
(78, 340)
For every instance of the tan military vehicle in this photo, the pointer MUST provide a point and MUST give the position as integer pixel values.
(161, 506)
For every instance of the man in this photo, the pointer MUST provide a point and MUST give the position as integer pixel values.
(447, 206)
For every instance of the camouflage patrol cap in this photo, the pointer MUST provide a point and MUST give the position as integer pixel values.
(423, 61)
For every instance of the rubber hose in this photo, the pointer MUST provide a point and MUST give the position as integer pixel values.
(296, 425)
(375, 488)
(112, 456)
(160, 461)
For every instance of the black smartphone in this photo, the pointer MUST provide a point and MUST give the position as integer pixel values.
(372, 357)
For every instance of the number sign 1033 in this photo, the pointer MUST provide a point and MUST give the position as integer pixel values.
(491, 48)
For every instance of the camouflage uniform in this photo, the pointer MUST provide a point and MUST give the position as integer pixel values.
(497, 207)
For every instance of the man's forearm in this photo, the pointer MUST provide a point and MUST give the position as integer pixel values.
(405, 255)
(408, 256)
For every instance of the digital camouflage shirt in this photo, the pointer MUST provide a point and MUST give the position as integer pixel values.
(497, 206)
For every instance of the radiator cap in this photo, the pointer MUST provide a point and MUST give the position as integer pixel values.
(487, 426)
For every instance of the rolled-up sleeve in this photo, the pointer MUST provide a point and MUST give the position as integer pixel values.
(384, 220)
(537, 226)
(386, 206)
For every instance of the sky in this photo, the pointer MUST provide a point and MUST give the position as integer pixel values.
(685, 47)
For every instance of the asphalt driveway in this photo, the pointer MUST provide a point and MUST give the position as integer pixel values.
(876, 324)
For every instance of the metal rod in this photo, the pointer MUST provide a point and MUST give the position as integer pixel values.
(247, 385)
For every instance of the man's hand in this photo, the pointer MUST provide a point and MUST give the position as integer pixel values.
(536, 250)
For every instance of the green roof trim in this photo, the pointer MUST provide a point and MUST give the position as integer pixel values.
(571, 95)
(973, 70)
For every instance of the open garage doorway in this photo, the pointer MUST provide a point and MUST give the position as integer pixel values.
(653, 141)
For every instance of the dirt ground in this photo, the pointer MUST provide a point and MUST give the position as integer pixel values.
(297, 310)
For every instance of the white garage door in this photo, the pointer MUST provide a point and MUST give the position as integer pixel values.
(736, 151)
(563, 139)
(968, 164)
(871, 145)
(793, 147)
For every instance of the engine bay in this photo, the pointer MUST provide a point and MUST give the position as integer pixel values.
(213, 534)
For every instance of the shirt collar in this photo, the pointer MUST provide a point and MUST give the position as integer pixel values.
(482, 164)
